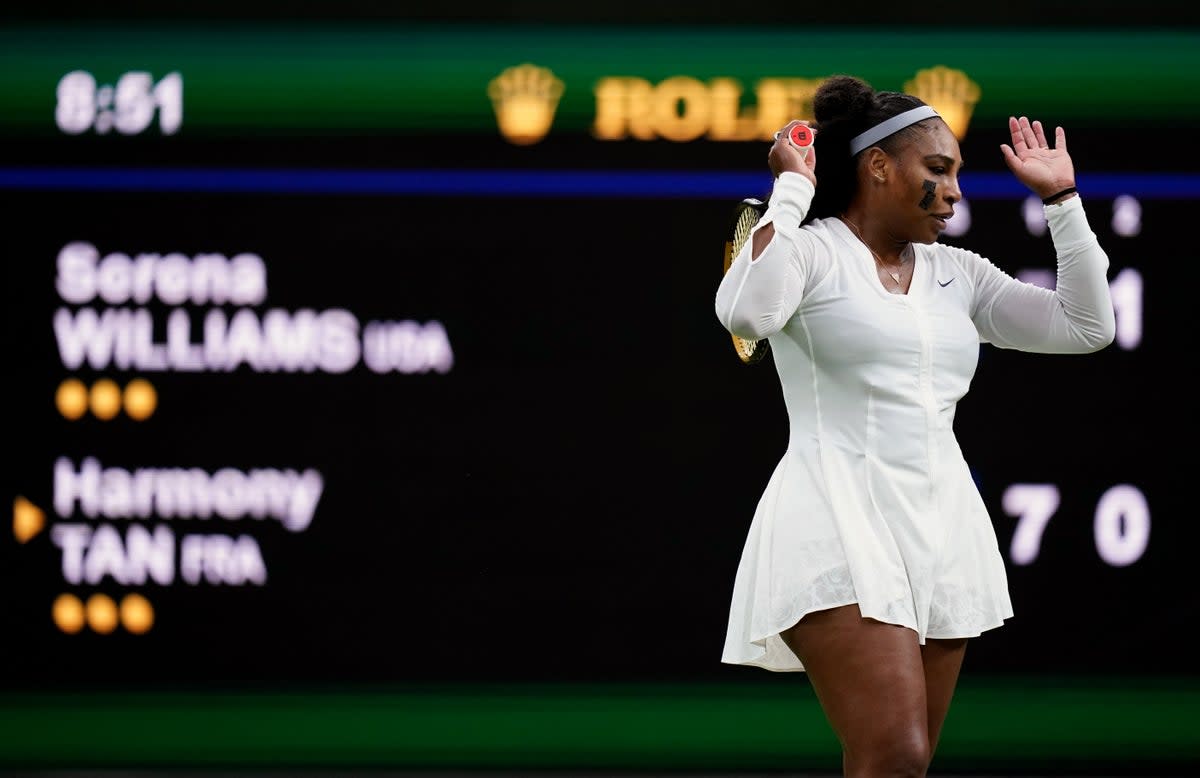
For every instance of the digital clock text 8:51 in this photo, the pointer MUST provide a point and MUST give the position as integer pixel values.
(128, 107)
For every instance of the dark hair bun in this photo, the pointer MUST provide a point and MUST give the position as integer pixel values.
(840, 98)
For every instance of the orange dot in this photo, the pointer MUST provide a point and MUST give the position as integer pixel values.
(140, 399)
(71, 398)
(67, 613)
(136, 613)
(101, 613)
(106, 399)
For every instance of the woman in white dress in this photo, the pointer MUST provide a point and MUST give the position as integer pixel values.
(871, 558)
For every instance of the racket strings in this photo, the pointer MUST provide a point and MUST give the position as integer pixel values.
(748, 213)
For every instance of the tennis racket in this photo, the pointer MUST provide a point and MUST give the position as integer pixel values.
(745, 215)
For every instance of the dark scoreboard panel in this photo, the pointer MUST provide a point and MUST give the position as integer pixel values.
(544, 444)
(298, 407)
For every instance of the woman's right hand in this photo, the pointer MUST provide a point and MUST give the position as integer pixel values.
(784, 157)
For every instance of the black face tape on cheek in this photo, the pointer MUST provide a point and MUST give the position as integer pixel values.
(930, 187)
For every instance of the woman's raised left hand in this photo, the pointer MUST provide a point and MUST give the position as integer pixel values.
(1043, 169)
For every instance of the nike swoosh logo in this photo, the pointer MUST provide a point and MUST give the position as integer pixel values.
(947, 283)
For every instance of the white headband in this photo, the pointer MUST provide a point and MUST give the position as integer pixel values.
(889, 126)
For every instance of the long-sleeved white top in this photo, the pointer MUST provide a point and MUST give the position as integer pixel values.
(873, 503)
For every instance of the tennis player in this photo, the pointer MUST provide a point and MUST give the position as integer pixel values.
(871, 559)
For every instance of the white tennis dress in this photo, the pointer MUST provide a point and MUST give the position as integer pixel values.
(872, 502)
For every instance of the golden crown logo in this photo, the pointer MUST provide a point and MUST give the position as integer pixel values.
(950, 92)
(524, 98)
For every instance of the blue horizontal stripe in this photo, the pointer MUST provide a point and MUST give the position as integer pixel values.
(523, 183)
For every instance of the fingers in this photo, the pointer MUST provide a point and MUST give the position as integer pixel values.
(810, 159)
(1040, 133)
(1032, 135)
(782, 134)
(1010, 157)
(788, 138)
(785, 155)
(1018, 136)
(1027, 133)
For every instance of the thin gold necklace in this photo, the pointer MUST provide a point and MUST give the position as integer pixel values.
(878, 259)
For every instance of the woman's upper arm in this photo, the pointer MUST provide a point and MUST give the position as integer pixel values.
(756, 297)
(758, 294)
(1075, 317)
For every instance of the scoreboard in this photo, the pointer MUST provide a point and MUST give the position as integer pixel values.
(383, 354)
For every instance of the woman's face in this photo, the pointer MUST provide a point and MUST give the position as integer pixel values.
(923, 184)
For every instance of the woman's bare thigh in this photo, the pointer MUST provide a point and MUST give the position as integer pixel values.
(869, 678)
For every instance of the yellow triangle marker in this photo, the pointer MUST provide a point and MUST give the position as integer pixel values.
(28, 519)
